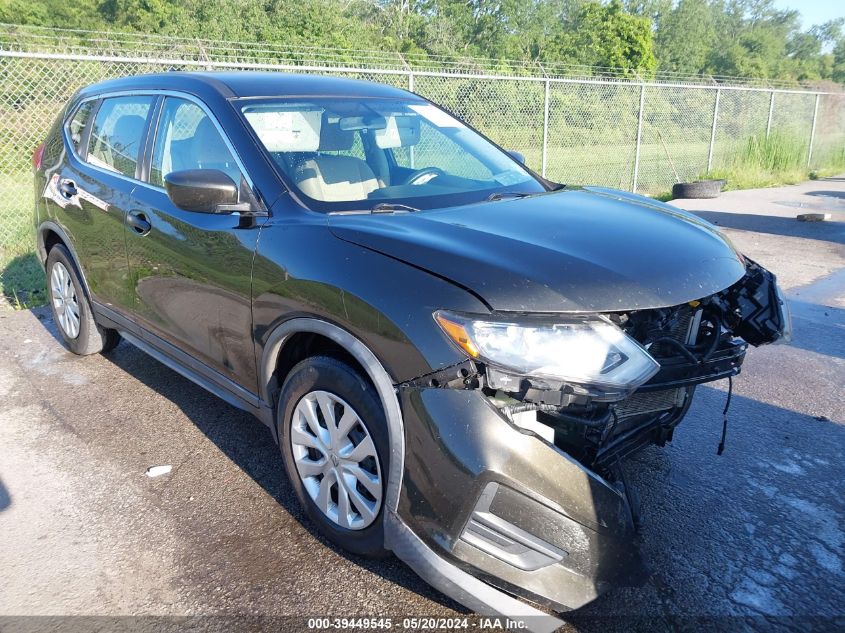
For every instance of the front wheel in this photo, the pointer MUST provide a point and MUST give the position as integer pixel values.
(333, 437)
(71, 310)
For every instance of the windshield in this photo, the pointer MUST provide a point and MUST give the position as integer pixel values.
(340, 154)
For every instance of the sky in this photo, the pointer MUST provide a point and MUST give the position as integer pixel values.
(815, 11)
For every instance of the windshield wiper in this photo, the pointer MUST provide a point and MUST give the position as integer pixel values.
(381, 207)
(501, 195)
(387, 207)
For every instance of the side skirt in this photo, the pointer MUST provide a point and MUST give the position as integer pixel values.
(183, 364)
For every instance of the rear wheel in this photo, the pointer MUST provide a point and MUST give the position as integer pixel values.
(71, 309)
(333, 437)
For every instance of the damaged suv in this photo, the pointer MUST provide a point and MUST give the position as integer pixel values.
(454, 354)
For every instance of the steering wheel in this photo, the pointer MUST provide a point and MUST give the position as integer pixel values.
(419, 176)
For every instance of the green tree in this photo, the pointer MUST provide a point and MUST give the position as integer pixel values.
(685, 37)
(607, 36)
(315, 23)
(81, 14)
(145, 16)
(752, 38)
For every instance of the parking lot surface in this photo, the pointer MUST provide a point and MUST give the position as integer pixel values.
(752, 539)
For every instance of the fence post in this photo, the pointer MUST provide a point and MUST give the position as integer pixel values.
(713, 130)
(771, 110)
(411, 153)
(813, 131)
(545, 129)
(639, 138)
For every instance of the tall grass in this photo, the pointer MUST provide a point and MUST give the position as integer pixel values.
(779, 159)
(775, 153)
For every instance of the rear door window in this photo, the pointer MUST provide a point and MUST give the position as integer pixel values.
(118, 132)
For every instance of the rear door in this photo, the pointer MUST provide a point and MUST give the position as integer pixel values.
(191, 271)
(88, 196)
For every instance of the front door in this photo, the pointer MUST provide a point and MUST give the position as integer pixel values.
(191, 271)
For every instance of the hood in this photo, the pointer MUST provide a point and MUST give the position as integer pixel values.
(577, 250)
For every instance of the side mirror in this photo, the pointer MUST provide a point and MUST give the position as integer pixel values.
(518, 156)
(202, 190)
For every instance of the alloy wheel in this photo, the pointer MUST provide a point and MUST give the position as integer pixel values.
(65, 302)
(336, 460)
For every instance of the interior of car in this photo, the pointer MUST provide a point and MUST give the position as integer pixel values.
(334, 172)
(342, 152)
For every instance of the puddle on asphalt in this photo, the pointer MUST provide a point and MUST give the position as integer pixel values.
(825, 203)
(822, 301)
(828, 290)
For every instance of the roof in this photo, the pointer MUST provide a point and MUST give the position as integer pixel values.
(251, 84)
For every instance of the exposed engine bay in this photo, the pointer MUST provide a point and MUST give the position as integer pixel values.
(693, 343)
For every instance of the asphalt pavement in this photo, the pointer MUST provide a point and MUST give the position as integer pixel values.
(753, 539)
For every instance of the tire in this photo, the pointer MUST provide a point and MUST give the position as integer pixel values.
(700, 189)
(312, 384)
(71, 309)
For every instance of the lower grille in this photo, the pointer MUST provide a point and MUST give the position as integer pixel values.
(501, 539)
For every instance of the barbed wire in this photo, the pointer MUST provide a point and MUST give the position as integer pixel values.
(118, 44)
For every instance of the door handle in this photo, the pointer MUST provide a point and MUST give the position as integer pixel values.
(139, 222)
(68, 188)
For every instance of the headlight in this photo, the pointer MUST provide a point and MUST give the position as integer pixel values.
(588, 350)
(785, 316)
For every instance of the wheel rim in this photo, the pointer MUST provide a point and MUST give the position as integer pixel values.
(65, 303)
(336, 460)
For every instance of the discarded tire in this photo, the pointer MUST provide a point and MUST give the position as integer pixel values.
(698, 189)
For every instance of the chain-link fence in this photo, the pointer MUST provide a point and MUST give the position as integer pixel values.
(633, 135)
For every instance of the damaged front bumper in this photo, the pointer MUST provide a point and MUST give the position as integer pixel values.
(488, 497)
(519, 483)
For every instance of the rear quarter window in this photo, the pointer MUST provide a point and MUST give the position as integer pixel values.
(76, 126)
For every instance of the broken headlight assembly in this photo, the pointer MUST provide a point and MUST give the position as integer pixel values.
(589, 351)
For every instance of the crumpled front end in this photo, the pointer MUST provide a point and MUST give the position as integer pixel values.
(510, 508)
(519, 479)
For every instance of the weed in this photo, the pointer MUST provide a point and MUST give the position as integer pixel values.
(779, 159)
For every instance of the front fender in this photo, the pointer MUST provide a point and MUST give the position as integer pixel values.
(302, 270)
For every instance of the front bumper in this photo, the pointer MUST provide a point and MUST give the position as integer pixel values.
(509, 509)
(468, 590)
